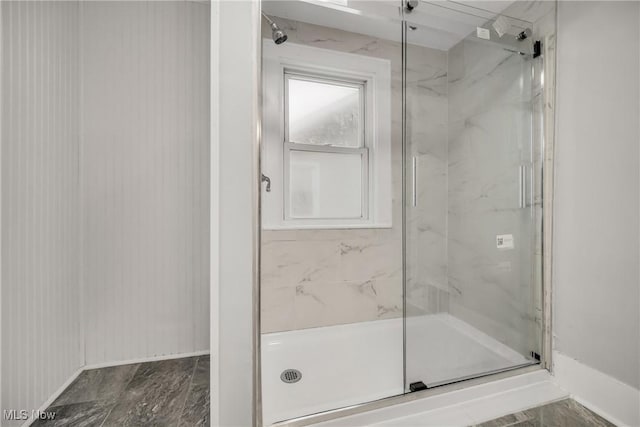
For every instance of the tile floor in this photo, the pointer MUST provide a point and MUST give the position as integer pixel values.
(166, 393)
(176, 393)
(565, 413)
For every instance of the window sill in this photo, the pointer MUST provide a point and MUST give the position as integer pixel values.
(359, 226)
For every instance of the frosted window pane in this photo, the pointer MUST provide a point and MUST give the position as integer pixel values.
(324, 114)
(325, 185)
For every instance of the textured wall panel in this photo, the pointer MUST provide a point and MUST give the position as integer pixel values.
(41, 332)
(145, 175)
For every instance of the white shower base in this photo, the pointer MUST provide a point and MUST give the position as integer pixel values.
(350, 364)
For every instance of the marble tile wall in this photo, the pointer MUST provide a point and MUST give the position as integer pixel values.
(495, 112)
(467, 163)
(313, 278)
(427, 118)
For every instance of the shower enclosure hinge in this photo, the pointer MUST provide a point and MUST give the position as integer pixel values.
(535, 355)
(418, 386)
(537, 48)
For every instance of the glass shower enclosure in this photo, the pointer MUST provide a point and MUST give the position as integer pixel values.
(472, 167)
(402, 160)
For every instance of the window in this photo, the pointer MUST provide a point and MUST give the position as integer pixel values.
(326, 161)
(325, 134)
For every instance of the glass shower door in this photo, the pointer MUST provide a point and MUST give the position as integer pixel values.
(472, 281)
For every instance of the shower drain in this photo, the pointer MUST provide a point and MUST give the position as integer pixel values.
(290, 376)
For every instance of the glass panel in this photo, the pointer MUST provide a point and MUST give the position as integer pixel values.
(472, 285)
(452, 290)
(324, 113)
(331, 298)
(325, 185)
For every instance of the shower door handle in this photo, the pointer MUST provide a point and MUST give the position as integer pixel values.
(522, 186)
(414, 181)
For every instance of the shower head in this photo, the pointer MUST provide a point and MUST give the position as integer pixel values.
(410, 5)
(278, 35)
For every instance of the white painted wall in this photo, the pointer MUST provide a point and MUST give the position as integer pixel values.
(596, 298)
(41, 318)
(145, 174)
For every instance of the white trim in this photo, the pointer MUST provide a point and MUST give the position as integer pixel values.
(606, 396)
(54, 396)
(376, 73)
(238, 215)
(145, 360)
(467, 406)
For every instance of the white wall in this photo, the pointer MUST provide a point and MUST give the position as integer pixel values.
(145, 174)
(596, 298)
(41, 327)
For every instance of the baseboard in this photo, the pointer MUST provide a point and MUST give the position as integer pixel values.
(606, 396)
(55, 395)
(145, 359)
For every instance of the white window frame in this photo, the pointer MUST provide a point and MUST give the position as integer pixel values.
(374, 76)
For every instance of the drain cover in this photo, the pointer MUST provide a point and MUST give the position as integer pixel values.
(290, 376)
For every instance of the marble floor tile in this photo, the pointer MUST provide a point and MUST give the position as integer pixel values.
(165, 393)
(201, 374)
(196, 408)
(85, 414)
(565, 413)
(155, 395)
(97, 384)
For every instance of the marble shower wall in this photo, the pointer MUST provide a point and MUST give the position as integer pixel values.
(488, 141)
(313, 278)
(467, 193)
(495, 111)
(427, 118)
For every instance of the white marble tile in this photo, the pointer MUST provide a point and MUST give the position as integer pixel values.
(324, 304)
(370, 259)
(388, 298)
(278, 309)
(490, 131)
(290, 263)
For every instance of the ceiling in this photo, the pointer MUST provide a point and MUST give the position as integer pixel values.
(439, 24)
